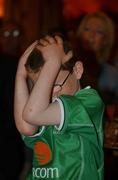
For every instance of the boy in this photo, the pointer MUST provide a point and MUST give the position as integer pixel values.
(66, 133)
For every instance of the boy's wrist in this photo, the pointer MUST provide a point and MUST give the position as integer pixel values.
(21, 73)
(53, 64)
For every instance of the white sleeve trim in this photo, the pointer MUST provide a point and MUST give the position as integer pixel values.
(62, 114)
(39, 133)
(87, 87)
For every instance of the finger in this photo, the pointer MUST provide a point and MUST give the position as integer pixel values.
(40, 47)
(50, 39)
(68, 56)
(31, 47)
(59, 40)
(25, 55)
(43, 42)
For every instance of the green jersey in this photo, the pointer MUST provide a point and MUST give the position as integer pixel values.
(74, 149)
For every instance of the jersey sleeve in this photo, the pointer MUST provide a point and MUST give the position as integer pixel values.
(82, 113)
(73, 114)
(30, 140)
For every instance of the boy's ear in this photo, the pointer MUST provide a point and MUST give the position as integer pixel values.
(78, 69)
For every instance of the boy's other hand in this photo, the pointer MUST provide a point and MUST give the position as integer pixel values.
(21, 68)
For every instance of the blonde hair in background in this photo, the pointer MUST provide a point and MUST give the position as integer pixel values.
(109, 31)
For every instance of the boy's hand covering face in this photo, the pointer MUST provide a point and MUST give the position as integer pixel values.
(29, 50)
(52, 49)
(23, 59)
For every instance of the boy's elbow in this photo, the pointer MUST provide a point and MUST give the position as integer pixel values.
(28, 116)
(33, 117)
(25, 130)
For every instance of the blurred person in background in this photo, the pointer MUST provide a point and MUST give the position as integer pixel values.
(96, 30)
(95, 35)
(12, 155)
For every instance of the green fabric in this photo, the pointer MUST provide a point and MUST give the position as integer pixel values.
(76, 151)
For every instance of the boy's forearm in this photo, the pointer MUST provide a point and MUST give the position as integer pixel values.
(40, 97)
(21, 96)
(38, 104)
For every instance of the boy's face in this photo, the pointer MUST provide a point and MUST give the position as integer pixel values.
(66, 82)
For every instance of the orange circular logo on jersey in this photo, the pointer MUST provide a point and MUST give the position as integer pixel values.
(42, 152)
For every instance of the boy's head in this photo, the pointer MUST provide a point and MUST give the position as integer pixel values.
(35, 62)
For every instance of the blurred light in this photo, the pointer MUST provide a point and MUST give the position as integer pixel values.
(2, 8)
(74, 8)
